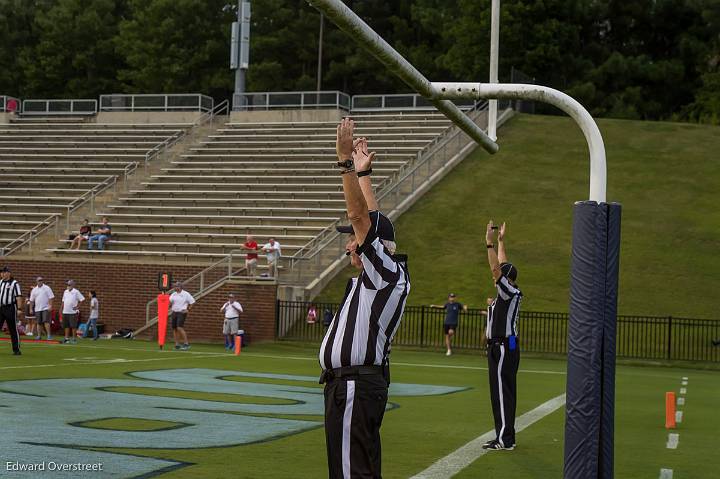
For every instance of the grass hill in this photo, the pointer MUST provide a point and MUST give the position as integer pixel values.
(666, 176)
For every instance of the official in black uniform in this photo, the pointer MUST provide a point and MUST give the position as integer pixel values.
(11, 301)
(354, 353)
(503, 350)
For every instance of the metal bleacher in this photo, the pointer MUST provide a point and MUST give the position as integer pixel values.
(51, 166)
(265, 179)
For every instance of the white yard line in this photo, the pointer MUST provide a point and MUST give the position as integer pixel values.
(683, 390)
(678, 416)
(673, 439)
(666, 474)
(680, 401)
(459, 459)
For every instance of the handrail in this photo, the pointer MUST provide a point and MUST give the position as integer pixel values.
(73, 106)
(385, 187)
(31, 234)
(90, 196)
(209, 116)
(204, 280)
(156, 102)
(401, 102)
(295, 99)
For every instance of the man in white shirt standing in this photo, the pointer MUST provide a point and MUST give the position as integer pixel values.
(272, 249)
(231, 324)
(180, 304)
(41, 298)
(70, 309)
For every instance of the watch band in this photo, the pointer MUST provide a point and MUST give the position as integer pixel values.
(490, 246)
(364, 173)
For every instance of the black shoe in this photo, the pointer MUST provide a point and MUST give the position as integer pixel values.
(177, 346)
(489, 443)
(716, 343)
(496, 446)
(17, 353)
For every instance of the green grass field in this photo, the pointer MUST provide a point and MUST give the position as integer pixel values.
(209, 414)
(666, 176)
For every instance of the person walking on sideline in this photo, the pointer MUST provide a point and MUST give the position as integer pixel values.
(41, 300)
(354, 355)
(11, 302)
(231, 323)
(70, 309)
(94, 316)
(503, 350)
(452, 313)
(180, 304)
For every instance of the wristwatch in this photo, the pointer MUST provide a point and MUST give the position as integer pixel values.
(346, 164)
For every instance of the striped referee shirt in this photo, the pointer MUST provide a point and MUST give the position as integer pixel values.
(504, 311)
(9, 291)
(363, 328)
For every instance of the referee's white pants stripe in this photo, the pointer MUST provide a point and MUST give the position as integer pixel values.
(347, 423)
(500, 393)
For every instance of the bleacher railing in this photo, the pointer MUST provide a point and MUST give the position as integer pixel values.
(638, 337)
(30, 235)
(409, 101)
(310, 259)
(10, 104)
(92, 193)
(151, 102)
(74, 106)
(303, 100)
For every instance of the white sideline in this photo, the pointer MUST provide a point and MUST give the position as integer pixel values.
(102, 361)
(459, 459)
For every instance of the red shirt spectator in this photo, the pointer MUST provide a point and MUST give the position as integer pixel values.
(252, 246)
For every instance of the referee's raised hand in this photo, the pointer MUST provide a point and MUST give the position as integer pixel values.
(361, 157)
(344, 143)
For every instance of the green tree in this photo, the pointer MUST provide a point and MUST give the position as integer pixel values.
(73, 54)
(175, 46)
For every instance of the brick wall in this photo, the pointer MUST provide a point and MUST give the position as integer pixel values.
(124, 290)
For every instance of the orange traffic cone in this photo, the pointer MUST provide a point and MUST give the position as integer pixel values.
(670, 410)
(238, 347)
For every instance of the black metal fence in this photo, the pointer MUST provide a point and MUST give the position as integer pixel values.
(644, 337)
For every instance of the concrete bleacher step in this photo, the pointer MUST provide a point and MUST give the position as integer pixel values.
(238, 195)
(169, 183)
(177, 202)
(266, 211)
(259, 180)
(220, 219)
(258, 230)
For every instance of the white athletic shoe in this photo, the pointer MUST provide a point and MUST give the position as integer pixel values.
(448, 353)
(28, 334)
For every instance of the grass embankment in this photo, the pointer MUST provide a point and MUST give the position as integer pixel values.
(665, 175)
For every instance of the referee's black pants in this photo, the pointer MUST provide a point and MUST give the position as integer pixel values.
(354, 410)
(7, 315)
(502, 367)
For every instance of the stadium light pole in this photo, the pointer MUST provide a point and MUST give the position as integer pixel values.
(494, 55)
(240, 51)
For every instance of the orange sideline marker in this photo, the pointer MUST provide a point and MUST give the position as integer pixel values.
(670, 410)
(238, 348)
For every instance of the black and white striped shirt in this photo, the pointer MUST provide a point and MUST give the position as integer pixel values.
(504, 311)
(362, 329)
(9, 291)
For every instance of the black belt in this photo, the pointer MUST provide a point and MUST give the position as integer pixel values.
(329, 375)
(493, 341)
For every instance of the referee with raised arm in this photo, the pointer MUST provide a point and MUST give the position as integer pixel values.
(503, 351)
(354, 353)
(11, 301)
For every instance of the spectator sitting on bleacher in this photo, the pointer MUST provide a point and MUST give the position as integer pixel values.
(83, 235)
(101, 235)
(272, 248)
